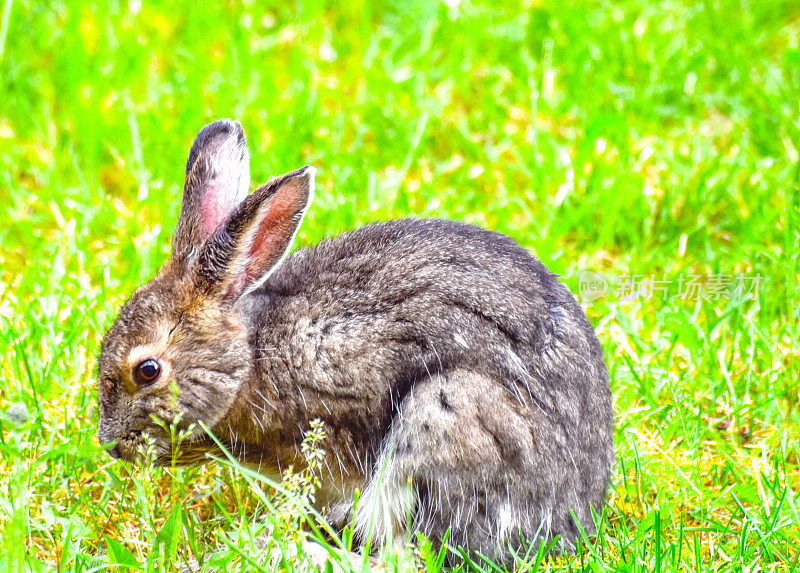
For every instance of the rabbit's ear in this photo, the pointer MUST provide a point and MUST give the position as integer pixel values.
(252, 242)
(217, 179)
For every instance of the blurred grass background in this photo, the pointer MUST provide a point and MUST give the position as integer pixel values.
(629, 138)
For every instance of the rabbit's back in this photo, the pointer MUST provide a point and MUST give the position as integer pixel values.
(448, 353)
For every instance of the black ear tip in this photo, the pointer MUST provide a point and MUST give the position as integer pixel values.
(223, 127)
(217, 131)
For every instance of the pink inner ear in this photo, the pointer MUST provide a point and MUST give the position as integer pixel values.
(272, 236)
(275, 230)
(214, 207)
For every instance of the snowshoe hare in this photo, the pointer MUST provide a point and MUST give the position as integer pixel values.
(459, 382)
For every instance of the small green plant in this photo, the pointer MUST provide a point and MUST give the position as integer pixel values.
(293, 522)
(300, 487)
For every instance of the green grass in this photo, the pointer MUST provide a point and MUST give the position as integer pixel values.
(634, 138)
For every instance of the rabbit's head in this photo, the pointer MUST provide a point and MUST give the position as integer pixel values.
(178, 353)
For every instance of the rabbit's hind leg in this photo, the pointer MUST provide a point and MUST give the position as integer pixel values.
(456, 458)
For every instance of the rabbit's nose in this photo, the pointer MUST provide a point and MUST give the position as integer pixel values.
(114, 452)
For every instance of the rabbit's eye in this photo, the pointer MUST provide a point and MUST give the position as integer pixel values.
(147, 372)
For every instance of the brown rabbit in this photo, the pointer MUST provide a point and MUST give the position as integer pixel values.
(460, 384)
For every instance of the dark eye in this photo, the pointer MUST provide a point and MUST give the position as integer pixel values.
(147, 372)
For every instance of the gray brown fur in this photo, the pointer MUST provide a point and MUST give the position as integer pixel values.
(446, 362)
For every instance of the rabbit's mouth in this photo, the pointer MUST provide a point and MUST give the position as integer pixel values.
(154, 448)
(140, 446)
(131, 447)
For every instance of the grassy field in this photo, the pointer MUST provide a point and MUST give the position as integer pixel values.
(635, 140)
